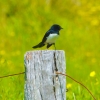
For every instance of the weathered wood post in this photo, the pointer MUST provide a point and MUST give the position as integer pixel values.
(41, 82)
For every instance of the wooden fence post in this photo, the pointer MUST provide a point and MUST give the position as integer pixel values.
(41, 82)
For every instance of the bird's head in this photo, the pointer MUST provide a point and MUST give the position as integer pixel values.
(56, 27)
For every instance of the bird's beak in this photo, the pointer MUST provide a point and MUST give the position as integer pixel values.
(61, 28)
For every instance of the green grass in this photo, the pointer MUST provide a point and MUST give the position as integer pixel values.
(23, 24)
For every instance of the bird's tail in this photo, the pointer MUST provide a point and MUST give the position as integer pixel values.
(39, 45)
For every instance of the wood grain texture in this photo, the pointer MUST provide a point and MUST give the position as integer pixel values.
(40, 78)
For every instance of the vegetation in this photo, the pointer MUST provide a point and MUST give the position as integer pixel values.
(23, 24)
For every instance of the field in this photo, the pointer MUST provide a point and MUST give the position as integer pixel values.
(23, 24)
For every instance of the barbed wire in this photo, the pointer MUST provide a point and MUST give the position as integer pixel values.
(11, 75)
(57, 74)
(78, 83)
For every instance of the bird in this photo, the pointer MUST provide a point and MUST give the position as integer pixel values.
(50, 37)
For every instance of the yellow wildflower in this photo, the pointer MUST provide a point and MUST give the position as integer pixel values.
(2, 52)
(12, 34)
(18, 52)
(92, 74)
(95, 22)
(93, 9)
(93, 60)
(9, 62)
(2, 61)
(69, 85)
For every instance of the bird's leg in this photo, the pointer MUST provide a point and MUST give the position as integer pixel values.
(46, 48)
(54, 45)
(48, 45)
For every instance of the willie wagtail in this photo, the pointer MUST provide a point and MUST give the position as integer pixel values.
(50, 36)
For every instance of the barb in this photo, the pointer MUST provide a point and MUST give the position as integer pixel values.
(12, 75)
(77, 82)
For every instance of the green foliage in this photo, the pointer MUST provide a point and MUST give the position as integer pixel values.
(23, 24)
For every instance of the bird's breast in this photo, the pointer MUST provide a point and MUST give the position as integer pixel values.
(52, 38)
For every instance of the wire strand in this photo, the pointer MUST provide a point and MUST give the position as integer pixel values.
(78, 83)
(11, 75)
(59, 74)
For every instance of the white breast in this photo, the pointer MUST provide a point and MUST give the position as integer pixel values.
(52, 38)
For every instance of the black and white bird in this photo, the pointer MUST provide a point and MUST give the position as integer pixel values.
(50, 36)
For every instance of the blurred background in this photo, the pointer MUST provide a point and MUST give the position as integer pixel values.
(23, 24)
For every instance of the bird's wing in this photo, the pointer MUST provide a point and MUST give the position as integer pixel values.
(46, 35)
